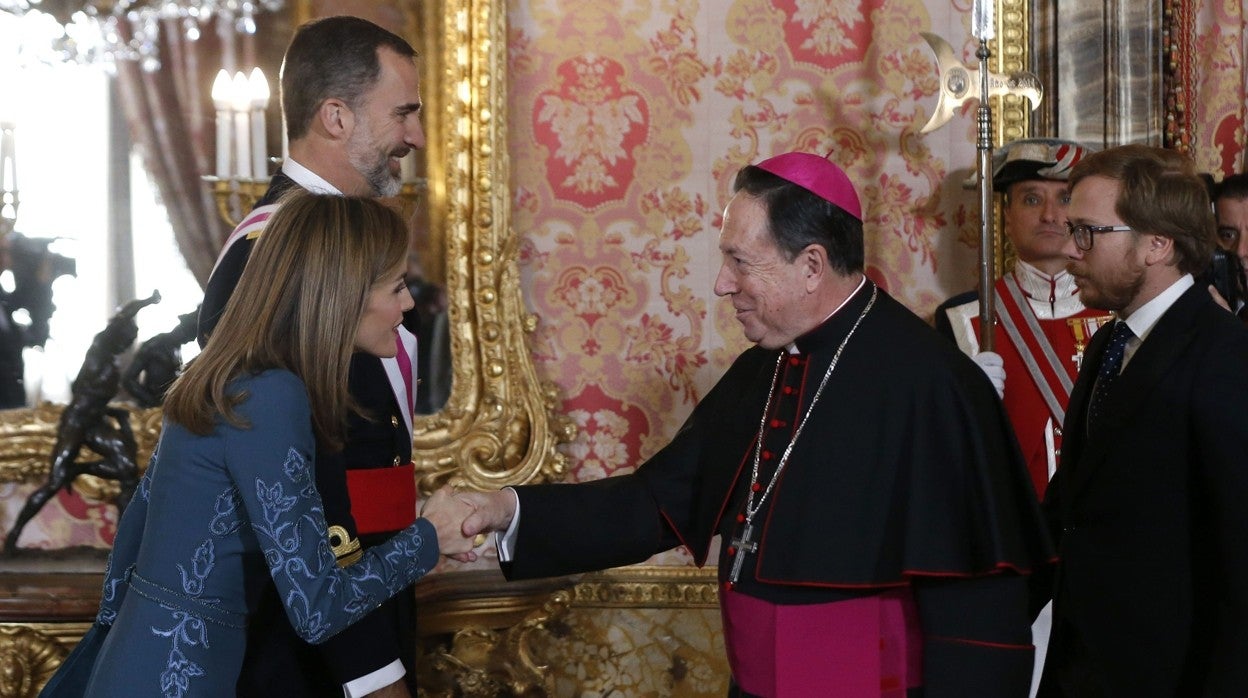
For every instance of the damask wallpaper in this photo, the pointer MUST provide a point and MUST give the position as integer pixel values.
(1211, 60)
(627, 124)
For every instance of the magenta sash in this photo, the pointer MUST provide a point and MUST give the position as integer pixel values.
(856, 649)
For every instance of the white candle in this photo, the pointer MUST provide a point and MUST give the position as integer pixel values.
(258, 89)
(407, 167)
(242, 135)
(221, 88)
(8, 164)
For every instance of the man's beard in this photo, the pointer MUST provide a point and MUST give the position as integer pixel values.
(1115, 293)
(373, 166)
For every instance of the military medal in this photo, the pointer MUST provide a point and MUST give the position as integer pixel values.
(1083, 328)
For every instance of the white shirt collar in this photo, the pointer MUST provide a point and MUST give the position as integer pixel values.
(1042, 286)
(307, 178)
(1146, 316)
(792, 347)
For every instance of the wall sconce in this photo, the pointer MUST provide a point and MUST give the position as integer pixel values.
(242, 163)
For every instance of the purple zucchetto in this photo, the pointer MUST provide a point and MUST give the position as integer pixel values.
(817, 175)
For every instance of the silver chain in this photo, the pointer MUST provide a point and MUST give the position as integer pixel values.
(750, 509)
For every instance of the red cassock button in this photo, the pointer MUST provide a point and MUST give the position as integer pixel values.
(756, 487)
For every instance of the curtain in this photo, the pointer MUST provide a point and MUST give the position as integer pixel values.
(167, 121)
(1207, 95)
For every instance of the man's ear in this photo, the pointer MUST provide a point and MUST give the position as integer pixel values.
(1160, 250)
(814, 262)
(335, 118)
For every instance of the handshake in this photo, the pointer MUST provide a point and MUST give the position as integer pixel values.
(462, 517)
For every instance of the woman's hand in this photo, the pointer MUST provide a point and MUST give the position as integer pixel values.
(447, 512)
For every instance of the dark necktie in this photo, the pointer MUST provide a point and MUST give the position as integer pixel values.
(1111, 365)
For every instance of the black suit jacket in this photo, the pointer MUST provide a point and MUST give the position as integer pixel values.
(1151, 514)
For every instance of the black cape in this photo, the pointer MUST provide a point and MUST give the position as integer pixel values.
(907, 467)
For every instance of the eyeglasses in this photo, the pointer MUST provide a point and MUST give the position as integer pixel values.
(1083, 233)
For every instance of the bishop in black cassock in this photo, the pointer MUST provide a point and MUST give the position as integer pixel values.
(876, 517)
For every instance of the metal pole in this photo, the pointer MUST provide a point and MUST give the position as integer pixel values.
(987, 248)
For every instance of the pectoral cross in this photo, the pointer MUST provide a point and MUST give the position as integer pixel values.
(741, 546)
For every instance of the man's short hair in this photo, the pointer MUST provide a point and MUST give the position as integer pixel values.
(333, 57)
(797, 218)
(1234, 187)
(1159, 193)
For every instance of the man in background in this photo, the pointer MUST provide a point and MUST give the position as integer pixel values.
(1150, 597)
(1230, 207)
(350, 95)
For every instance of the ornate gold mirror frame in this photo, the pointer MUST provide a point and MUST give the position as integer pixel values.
(500, 424)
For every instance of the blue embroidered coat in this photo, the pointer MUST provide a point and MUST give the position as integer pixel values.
(216, 516)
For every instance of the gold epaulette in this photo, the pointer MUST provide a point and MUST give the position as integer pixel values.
(346, 549)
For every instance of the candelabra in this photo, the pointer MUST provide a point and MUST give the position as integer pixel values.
(242, 149)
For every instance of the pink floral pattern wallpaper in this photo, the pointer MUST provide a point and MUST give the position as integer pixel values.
(1220, 95)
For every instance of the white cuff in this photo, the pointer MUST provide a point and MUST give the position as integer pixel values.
(379, 679)
(506, 542)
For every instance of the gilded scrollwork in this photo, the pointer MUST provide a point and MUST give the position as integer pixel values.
(1013, 118)
(30, 654)
(501, 425)
(647, 630)
(485, 662)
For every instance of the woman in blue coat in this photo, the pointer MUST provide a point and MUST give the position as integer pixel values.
(229, 499)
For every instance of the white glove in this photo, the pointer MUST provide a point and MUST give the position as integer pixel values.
(994, 368)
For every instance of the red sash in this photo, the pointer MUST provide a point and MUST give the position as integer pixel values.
(1045, 367)
(863, 647)
(382, 499)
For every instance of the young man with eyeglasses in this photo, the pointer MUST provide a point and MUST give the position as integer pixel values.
(1150, 597)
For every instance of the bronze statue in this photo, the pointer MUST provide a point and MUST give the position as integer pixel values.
(89, 420)
(158, 362)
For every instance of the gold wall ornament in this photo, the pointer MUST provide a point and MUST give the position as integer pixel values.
(482, 636)
(501, 424)
(1012, 54)
(31, 652)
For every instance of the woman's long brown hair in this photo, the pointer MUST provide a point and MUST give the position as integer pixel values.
(297, 307)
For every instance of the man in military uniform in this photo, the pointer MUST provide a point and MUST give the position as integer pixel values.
(350, 94)
(1042, 325)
